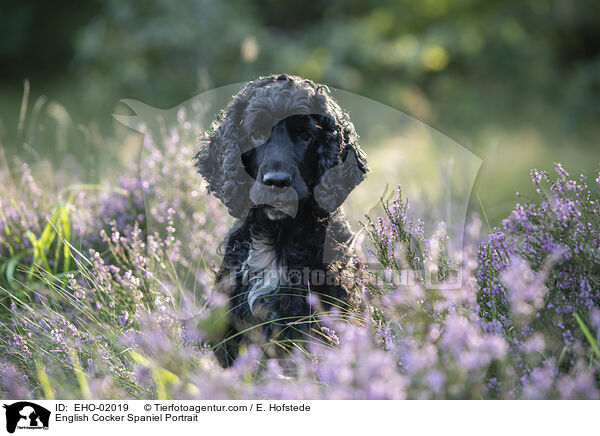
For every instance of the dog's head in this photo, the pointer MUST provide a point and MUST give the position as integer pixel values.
(281, 142)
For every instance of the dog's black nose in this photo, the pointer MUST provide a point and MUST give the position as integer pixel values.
(278, 179)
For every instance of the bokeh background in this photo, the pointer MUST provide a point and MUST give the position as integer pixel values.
(516, 82)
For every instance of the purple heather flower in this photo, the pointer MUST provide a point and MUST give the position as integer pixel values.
(525, 288)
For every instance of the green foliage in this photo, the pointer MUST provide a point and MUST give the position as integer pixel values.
(487, 54)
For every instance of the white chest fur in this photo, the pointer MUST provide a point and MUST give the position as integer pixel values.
(261, 271)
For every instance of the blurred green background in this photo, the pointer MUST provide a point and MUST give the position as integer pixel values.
(517, 82)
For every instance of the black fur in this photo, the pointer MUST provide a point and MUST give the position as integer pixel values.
(282, 157)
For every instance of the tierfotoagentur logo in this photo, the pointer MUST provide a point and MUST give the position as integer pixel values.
(24, 415)
(435, 173)
(282, 156)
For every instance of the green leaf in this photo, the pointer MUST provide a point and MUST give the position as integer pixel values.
(587, 334)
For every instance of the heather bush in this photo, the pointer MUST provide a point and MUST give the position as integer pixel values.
(545, 260)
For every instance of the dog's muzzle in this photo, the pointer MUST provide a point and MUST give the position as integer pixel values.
(278, 202)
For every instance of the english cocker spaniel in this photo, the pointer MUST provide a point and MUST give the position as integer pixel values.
(282, 157)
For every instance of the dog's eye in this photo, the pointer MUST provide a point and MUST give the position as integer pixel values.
(305, 136)
(257, 136)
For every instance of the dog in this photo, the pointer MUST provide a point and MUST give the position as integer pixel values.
(282, 157)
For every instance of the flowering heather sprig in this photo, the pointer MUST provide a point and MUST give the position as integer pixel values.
(398, 241)
(19, 345)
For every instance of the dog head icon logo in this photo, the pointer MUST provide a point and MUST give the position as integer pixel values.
(24, 414)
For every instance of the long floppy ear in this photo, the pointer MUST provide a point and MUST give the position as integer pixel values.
(219, 161)
(344, 168)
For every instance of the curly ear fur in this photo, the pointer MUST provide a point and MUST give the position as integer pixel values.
(276, 97)
(343, 167)
(219, 161)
